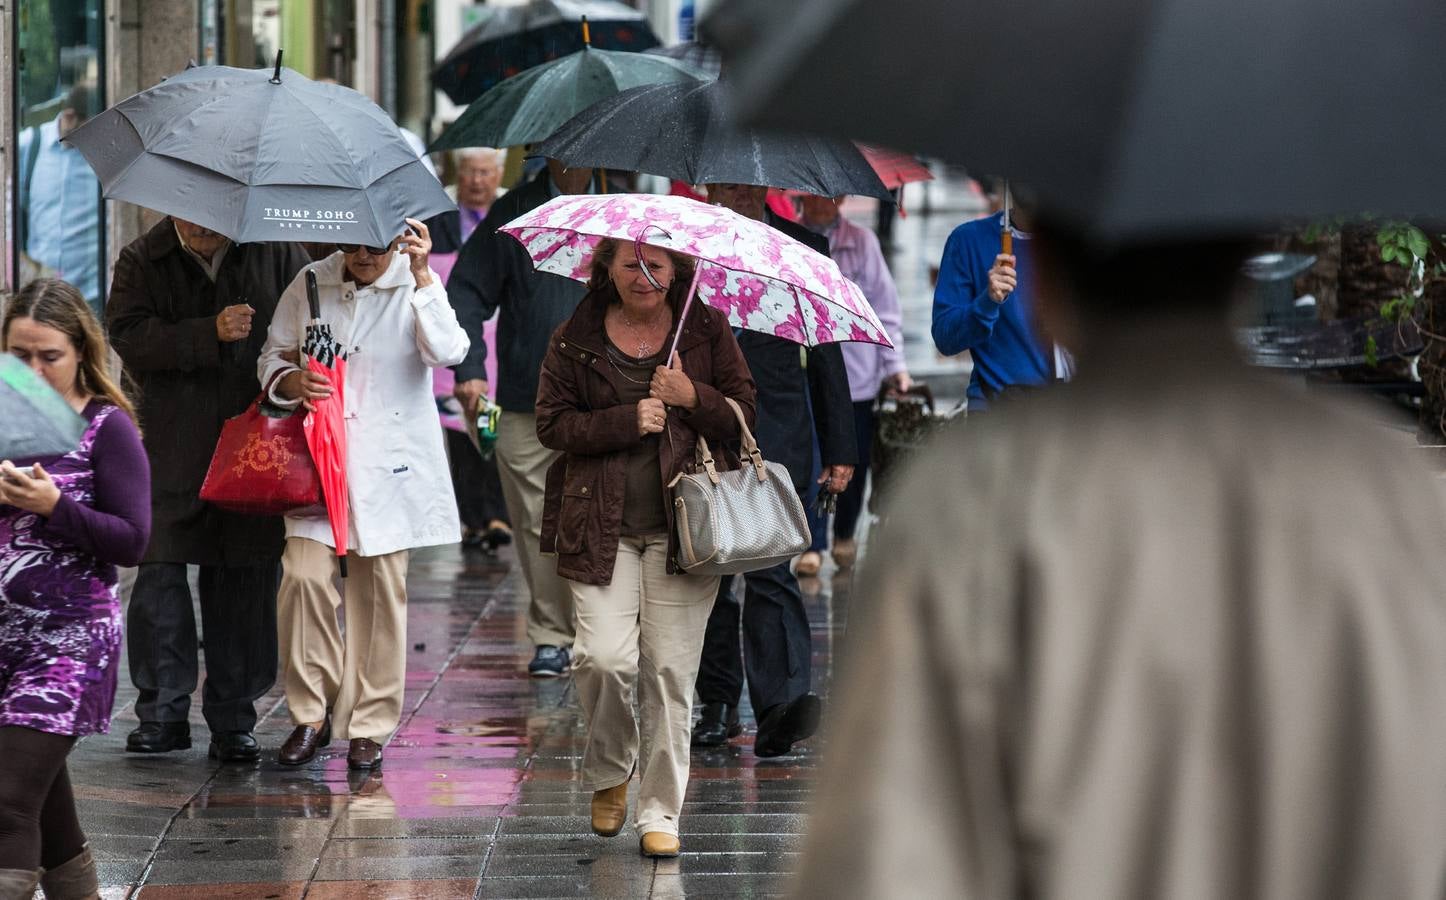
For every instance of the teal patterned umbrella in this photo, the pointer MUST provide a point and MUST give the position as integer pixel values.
(35, 421)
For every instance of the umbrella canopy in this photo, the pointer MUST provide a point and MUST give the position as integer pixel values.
(697, 54)
(1135, 119)
(895, 169)
(35, 421)
(325, 424)
(262, 155)
(512, 39)
(764, 280)
(685, 131)
(530, 106)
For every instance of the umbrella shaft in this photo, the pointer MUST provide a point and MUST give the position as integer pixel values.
(687, 304)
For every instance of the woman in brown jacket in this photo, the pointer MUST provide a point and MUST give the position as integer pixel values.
(627, 423)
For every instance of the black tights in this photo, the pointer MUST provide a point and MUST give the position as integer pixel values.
(38, 827)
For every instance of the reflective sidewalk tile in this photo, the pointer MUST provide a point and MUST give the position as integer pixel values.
(477, 796)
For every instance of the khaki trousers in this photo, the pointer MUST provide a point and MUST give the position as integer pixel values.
(522, 463)
(644, 629)
(362, 682)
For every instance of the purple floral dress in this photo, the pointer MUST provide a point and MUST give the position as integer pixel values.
(60, 620)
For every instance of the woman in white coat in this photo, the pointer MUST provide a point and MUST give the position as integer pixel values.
(390, 313)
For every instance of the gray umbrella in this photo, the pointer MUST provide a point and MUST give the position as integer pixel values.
(685, 131)
(262, 155)
(693, 53)
(1135, 118)
(35, 421)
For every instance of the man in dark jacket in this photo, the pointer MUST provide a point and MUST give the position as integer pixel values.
(494, 273)
(776, 649)
(188, 313)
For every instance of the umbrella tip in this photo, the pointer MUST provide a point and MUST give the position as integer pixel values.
(276, 76)
(586, 34)
(191, 63)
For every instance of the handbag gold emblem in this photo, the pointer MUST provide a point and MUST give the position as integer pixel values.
(263, 456)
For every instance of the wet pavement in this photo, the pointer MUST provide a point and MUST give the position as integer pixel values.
(477, 796)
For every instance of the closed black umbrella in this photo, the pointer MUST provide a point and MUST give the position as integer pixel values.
(513, 39)
(262, 155)
(1134, 118)
(685, 131)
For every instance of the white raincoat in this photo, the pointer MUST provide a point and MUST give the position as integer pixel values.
(400, 489)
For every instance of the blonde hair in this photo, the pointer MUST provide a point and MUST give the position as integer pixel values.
(56, 304)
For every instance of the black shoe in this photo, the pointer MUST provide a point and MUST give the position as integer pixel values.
(718, 724)
(234, 746)
(785, 724)
(159, 737)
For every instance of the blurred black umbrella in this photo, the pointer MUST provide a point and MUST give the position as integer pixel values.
(262, 155)
(1134, 118)
(529, 107)
(512, 39)
(685, 131)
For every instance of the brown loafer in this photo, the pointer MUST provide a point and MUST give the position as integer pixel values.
(660, 845)
(303, 743)
(364, 754)
(609, 810)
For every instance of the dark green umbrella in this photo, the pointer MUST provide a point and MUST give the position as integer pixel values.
(35, 421)
(687, 132)
(530, 106)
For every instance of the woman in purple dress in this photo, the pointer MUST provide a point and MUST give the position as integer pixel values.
(65, 524)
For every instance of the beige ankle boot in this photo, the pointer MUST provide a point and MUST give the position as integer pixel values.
(609, 810)
(74, 879)
(18, 884)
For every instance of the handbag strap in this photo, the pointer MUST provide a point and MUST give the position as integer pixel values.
(750, 447)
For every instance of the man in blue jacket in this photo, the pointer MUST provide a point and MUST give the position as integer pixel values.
(984, 303)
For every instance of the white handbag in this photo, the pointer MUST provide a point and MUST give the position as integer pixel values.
(738, 521)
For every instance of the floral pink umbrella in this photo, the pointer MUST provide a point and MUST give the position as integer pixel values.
(764, 280)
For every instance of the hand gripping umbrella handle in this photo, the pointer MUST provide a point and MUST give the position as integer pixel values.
(313, 299)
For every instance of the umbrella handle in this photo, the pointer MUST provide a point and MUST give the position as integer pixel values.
(687, 305)
(1006, 241)
(313, 298)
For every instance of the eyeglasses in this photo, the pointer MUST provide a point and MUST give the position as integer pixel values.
(352, 248)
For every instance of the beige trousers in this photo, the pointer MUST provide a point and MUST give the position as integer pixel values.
(361, 682)
(522, 463)
(644, 629)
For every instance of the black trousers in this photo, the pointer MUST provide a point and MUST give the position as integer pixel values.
(238, 619)
(476, 482)
(775, 652)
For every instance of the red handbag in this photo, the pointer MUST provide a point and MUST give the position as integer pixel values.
(262, 465)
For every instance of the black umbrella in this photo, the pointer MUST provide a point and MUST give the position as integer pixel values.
(528, 107)
(262, 155)
(1135, 118)
(685, 131)
(512, 39)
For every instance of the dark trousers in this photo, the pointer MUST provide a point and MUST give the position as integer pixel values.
(238, 619)
(38, 826)
(476, 482)
(775, 653)
(851, 502)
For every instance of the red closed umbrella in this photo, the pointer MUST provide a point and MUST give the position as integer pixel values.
(325, 424)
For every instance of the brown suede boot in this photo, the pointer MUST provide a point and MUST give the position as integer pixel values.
(18, 884)
(73, 879)
(609, 810)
